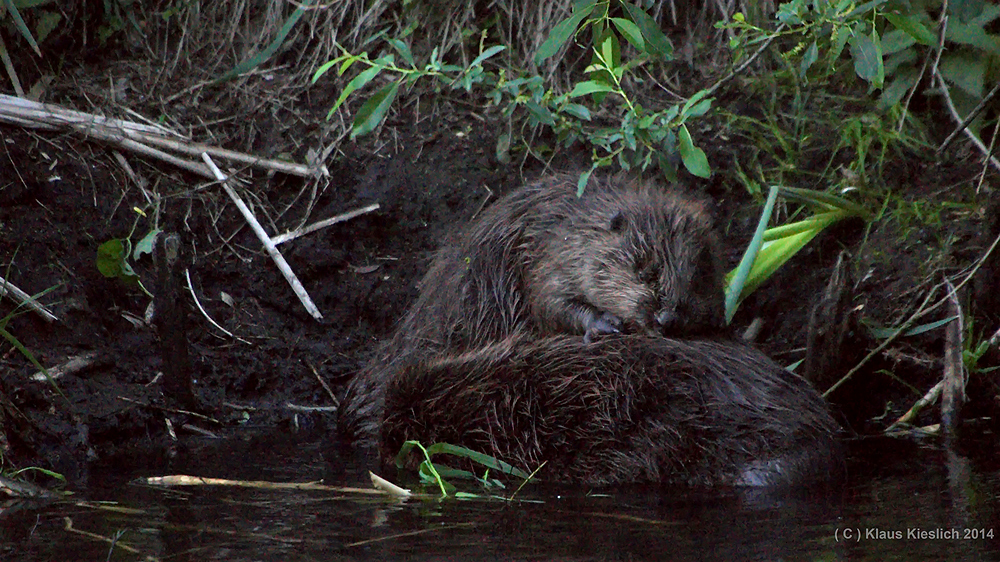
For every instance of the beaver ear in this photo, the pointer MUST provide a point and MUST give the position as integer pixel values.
(617, 222)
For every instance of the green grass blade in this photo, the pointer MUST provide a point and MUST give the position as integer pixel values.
(737, 280)
(22, 28)
(268, 52)
(480, 458)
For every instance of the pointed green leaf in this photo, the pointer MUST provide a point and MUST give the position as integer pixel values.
(589, 87)
(656, 42)
(403, 49)
(145, 246)
(373, 112)
(866, 58)
(808, 59)
(631, 33)
(358, 81)
(581, 182)
(492, 51)
(576, 110)
(563, 30)
(694, 158)
(912, 27)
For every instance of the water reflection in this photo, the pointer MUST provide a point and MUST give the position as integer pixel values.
(921, 488)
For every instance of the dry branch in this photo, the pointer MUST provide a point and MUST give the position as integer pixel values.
(136, 137)
(25, 299)
(265, 239)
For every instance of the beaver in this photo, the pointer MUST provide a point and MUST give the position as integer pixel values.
(626, 256)
(625, 408)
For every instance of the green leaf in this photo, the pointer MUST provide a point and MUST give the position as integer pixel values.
(808, 59)
(358, 81)
(973, 36)
(111, 258)
(631, 33)
(965, 71)
(373, 112)
(694, 158)
(962, 11)
(263, 56)
(881, 332)
(47, 23)
(403, 49)
(893, 93)
(656, 42)
(492, 51)
(589, 87)
(477, 457)
(581, 182)
(695, 99)
(563, 30)
(576, 110)
(864, 8)
(736, 279)
(839, 40)
(867, 59)
(912, 27)
(540, 114)
(145, 246)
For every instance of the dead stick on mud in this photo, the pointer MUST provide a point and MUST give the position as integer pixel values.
(265, 239)
(73, 365)
(197, 302)
(958, 118)
(136, 136)
(282, 238)
(25, 299)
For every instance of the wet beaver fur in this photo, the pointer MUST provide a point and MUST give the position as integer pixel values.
(625, 257)
(624, 408)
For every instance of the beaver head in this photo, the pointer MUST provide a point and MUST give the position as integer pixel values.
(654, 265)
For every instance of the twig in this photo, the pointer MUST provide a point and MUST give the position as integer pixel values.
(135, 136)
(968, 118)
(25, 299)
(325, 386)
(73, 365)
(298, 408)
(187, 275)
(185, 480)
(954, 113)
(279, 260)
(171, 410)
(925, 400)
(292, 235)
(748, 62)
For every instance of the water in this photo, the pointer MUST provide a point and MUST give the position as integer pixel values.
(895, 490)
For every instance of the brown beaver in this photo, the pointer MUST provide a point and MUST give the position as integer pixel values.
(624, 408)
(626, 256)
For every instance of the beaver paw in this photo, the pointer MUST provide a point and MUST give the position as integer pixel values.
(606, 323)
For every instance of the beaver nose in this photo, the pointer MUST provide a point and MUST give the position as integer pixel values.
(665, 317)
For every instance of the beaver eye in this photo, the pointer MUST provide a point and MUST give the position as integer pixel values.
(646, 270)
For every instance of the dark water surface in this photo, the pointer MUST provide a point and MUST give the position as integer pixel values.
(895, 491)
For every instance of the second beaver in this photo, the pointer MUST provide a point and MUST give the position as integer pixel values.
(627, 256)
(625, 408)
